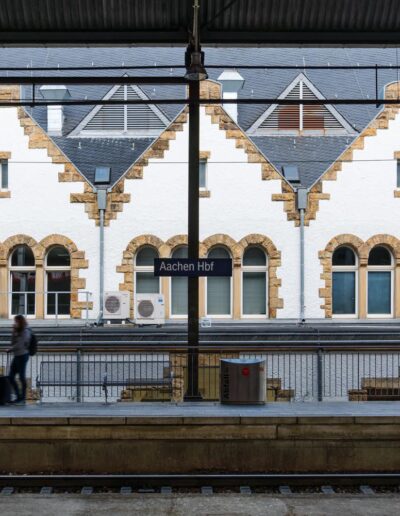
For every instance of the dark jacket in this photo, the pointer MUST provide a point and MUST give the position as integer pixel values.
(20, 342)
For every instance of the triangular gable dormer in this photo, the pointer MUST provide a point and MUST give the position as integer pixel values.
(307, 120)
(123, 120)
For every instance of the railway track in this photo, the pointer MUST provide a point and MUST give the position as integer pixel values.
(284, 484)
(223, 336)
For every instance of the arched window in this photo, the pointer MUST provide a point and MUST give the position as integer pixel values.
(179, 287)
(58, 282)
(22, 281)
(380, 282)
(145, 281)
(219, 297)
(344, 279)
(254, 282)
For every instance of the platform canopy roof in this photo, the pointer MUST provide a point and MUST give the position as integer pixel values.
(230, 22)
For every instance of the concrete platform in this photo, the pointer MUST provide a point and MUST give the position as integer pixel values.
(200, 505)
(205, 437)
(203, 410)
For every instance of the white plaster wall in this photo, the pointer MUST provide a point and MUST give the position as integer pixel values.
(362, 203)
(240, 204)
(39, 205)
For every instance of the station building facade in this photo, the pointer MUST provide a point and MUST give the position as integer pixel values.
(252, 165)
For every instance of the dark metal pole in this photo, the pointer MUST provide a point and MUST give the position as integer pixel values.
(192, 392)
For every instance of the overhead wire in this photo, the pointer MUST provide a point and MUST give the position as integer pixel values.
(233, 162)
(210, 66)
(182, 101)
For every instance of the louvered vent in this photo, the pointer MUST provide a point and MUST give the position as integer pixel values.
(141, 116)
(109, 118)
(314, 117)
(285, 117)
(124, 118)
(317, 117)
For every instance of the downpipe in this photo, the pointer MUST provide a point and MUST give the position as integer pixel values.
(102, 204)
(302, 206)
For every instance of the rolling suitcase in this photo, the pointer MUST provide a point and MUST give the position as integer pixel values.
(5, 386)
(5, 390)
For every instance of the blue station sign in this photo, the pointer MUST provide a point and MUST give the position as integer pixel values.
(193, 268)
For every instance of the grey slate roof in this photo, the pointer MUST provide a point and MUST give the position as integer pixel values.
(87, 153)
(313, 155)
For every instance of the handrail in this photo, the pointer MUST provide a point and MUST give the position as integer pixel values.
(347, 344)
(25, 293)
(115, 348)
(294, 372)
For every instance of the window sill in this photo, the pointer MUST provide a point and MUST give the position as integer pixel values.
(5, 194)
(397, 192)
(204, 193)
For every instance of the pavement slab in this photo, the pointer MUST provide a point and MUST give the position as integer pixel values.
(204, 410)
(191, 504)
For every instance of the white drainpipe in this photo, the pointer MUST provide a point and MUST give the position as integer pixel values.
(302, 206)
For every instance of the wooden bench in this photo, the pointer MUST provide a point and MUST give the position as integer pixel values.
(104, 374)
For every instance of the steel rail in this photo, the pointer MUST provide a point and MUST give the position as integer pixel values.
(216, 339)
(197, 480)
(182, 333)
(209, 335)
(136, 334)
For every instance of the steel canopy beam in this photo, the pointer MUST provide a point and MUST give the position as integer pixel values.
(209, 38)
(180, 102)
(68, 38)
(295, 38)
(220, 22)
(125, 79)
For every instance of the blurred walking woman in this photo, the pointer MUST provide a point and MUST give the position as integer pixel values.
(21, 337)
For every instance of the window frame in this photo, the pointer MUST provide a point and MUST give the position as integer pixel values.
(219, 316)
(382, 268)
(4, 165)
(143, 268)
(171, 315)
(254, 268)
(205, 187)
(347, 268)
(55, 268)
(20, 268)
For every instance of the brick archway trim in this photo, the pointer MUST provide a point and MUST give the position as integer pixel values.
(362, 249)
(40, 250)
(236, 249)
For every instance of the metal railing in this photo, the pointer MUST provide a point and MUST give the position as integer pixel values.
(298, 373)
(56, 304)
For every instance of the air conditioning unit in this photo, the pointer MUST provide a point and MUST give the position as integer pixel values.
(116, 305)
(149, 309)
